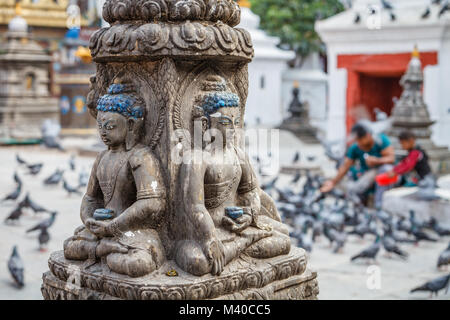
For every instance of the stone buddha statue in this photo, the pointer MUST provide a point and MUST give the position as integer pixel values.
(125, 199)
(223, 213)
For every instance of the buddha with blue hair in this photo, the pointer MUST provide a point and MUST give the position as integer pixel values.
(223, 212)
(125, 199)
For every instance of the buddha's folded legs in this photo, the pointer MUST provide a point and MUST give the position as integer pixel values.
(81, 246)
(136, 259)
(275, 245)
(190, 257)
(279, 243)
(79, 249)
(135, 263)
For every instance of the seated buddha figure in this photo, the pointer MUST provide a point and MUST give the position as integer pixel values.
(221, 215)
(125, 199)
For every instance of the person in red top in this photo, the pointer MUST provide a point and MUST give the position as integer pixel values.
(416, 160)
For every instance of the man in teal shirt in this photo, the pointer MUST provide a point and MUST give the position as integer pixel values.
(372, 155)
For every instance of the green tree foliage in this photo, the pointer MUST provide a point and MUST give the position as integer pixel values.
(293, 22)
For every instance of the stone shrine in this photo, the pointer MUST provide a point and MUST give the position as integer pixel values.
(25, 100)
(298, 122)
(410, 113)
(173, 209)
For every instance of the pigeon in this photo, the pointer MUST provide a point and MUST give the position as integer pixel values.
(83, 178)
(13, 195)
(52, 143)
(34, 169)
(383, 216)
(269, 185)
(357, 18)
(339, 238)
(296, 178)
(369, 253)
(33, 205)
(396, 235)
(434, 286)
(45, 224)
(421, 236)
(14, 215)
(43, 238)
(414, 222)
(332, 155)
(391, 247)
(317, 229)
(393, 16)
(444, 8)
(70, 189)
(311, 158)
(296, 157)
(55, 177)
(404, 225)
(15, 267)
(444, 258)
(441, 231)
(303, 240)
(386, 5)
(327, 234)
(426, 13)
(380, 115)
(20, 160)
(363, 228)
(72, 163)
(17, 179)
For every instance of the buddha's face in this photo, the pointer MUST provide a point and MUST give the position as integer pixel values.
(226, 120)
(112, 128)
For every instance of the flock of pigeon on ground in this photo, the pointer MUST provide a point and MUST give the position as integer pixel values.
(335, 215)
(15, 263)
(310, 214)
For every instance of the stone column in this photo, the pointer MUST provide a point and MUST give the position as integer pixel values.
(167, 49)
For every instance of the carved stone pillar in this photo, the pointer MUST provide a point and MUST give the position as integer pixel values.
(168, 49)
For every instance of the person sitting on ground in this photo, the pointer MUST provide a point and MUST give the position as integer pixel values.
(375, 155)
(415, 162)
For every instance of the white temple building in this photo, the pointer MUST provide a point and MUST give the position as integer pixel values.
(369, 48)
(265, 73)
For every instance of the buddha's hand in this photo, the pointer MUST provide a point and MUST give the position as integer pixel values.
(215, 253)
(237, 225)
(100, 228)
(107, 246)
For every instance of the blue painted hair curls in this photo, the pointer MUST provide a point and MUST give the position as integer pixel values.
(121, 99)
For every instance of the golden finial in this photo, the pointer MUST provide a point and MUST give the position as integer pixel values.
(84, 54)
(243, 3)
(18, 9)
(416, 53)
(296, 84)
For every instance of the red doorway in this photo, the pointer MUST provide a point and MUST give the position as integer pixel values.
(373, 81)
(386, 88)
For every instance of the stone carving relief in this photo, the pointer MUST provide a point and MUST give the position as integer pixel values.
(226, 11)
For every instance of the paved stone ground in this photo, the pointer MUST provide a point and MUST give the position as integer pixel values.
(338, 277)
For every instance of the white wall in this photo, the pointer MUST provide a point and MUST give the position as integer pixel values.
(265, 103)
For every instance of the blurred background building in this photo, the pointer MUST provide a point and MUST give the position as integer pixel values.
(264, 103)
(369, 47)
(25, 99)
(61, 29)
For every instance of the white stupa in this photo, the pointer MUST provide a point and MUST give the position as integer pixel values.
(265, 71)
